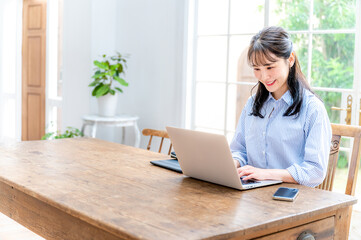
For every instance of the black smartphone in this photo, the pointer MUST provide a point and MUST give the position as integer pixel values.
(286, 194)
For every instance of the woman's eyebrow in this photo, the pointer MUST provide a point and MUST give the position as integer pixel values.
(264, 65)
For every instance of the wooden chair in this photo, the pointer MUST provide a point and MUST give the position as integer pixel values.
(338, 131)
(157, 133)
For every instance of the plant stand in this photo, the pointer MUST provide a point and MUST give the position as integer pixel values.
(117, 121)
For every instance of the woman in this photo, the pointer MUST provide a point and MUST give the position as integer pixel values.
(284, 132)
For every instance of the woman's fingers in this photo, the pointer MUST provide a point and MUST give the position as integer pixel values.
(249, 177)
(245, 171)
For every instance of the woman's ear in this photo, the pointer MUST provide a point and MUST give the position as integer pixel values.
(291, 59)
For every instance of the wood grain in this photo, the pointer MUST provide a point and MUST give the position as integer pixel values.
(113, 189)
(321, 230)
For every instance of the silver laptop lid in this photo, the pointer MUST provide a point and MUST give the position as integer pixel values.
(205, 156)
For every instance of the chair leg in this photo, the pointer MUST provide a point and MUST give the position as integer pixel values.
(161, 143)
(170, 148)
(149, 143)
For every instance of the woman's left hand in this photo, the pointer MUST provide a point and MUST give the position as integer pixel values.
(250, 172)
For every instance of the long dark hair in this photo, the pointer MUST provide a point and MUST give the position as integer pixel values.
(276, 41)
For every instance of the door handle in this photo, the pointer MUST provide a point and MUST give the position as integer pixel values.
(348, 110)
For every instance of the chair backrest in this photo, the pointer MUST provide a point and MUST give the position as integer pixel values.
(338, 131)
(158, 133)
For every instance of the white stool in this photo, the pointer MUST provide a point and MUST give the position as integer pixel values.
(117, 121)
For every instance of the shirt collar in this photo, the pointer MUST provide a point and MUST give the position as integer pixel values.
(287, 98)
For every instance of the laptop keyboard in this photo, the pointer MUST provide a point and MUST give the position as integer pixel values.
(250, 181)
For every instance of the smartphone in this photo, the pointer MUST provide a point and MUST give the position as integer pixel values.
(286, 194)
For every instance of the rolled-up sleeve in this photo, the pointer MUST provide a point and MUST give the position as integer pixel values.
(312, 169)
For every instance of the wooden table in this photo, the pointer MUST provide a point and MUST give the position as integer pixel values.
(91, 189)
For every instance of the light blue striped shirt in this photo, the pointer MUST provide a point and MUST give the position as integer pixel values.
(299, 144)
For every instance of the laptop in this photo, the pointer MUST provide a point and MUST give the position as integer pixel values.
(207, 157)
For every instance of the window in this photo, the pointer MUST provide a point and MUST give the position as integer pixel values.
(54, 66)
(326, 36)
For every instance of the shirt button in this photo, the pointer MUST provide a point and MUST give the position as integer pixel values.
(264, 133)
(263, 152)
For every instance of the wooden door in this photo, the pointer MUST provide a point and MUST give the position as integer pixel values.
(33, 69)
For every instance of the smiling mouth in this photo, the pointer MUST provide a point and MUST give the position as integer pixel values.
(270, 83)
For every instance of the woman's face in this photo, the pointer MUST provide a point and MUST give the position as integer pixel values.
(273, 75)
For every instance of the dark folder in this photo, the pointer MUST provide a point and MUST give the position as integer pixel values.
(171, 164)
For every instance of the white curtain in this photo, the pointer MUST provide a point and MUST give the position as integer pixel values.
(10, 70)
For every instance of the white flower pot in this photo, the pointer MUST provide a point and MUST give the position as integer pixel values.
(107, 105)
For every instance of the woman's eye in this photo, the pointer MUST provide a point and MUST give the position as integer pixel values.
(269, 68)
(255, 69)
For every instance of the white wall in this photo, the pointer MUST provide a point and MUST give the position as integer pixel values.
(76, 61)
(152, 33)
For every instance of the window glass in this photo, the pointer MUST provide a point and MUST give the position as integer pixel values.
(290, 14)
(300, 46)
(237, 46)
(333, 60)
(246, 16)
(333, 99)
(212, 59)
(331, 14)
(212, 17)
(209, 130)
(210, 105)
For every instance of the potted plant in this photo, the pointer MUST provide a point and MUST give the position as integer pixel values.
(107, 76)
(70, 132)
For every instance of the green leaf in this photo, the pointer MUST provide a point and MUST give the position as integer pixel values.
(111, 91)
(120, 68)
(47, 136)
(107, 64)
(101, 65)
(102, 90)
(95, 82)
(114, 67)
(121, 81)
(111, 73)
(98, 75)
(120, 90)
(96, 89)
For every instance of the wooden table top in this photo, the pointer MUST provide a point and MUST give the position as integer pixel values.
(114, 187)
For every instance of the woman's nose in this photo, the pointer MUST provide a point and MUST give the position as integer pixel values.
(264, 76)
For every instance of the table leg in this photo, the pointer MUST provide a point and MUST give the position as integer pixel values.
(137, 135)
(123, 135)
(342, 223)
(83, 128)
(94, 130)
